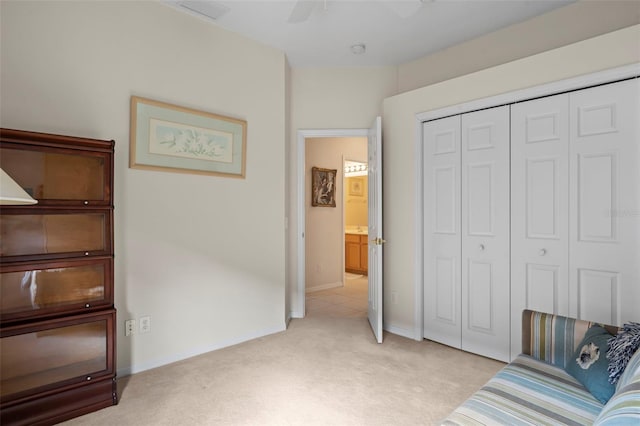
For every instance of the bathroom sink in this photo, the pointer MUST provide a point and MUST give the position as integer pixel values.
(356, 230)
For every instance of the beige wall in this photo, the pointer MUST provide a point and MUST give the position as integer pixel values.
(324, 242)
(328, 98)
(572, 23)
(355, 208)
(203, 256)
(399, 149)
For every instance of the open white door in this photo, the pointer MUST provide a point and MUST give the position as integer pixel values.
(375, 228)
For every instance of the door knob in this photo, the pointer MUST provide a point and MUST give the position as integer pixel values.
(542, 252)
(378, 241)
(481, 247)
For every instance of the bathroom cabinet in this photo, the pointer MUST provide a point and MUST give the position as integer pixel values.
(57, 316)
(356, 247)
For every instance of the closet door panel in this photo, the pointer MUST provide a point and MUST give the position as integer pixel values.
(441, 164)
(605, 207)
(485, 232)
(539, 210)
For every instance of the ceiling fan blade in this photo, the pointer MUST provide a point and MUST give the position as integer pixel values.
(210, 9)
(301, 11)
(404, 9)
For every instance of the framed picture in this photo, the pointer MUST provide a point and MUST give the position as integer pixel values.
(356, 186)
(178, 139)
(323, 187)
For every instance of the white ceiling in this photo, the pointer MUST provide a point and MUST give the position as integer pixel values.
(394, 31)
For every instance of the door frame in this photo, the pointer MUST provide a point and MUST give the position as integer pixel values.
(303, 134)
(543, 90)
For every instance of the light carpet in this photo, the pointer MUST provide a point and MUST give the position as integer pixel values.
(320, 371)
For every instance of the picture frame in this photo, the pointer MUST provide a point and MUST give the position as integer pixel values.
(323, 187)
(174, 138)
(356, 186)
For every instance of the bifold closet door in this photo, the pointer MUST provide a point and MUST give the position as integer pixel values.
(575, 246)
(604, 252)
(466, 231)
(485, 233)
(441, 227)
(539, 210)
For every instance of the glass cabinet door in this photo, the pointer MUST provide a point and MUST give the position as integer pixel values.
(39, 356)
(53, 176)
(31, 290)
(51, 234)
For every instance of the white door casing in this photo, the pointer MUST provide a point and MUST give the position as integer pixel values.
(485, 232)
(441, 227)
(604, 203)
(539, 210)
(374, 311)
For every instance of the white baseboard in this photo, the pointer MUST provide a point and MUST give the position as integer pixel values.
(324, 286)
(138, 368)
(409, 334)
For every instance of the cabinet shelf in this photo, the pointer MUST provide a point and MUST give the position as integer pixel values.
(42, 355)
(36, 234)
(33, 290)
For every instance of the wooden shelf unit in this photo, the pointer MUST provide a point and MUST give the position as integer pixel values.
(57, 316)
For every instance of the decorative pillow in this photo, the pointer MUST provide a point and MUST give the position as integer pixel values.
(589, 364)
(621, 349)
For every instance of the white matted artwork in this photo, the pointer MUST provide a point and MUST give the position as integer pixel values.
(179, 139)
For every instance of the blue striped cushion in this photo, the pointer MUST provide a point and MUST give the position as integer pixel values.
(528, 391)
(554, 338)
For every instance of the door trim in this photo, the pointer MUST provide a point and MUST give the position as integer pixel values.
(303, 134)
(548, 89)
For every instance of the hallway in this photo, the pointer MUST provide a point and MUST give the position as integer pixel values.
(349, 301)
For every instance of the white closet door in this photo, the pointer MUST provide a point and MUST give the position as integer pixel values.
(441, 164)
(604, 204)
(485, 233)
(539, 210)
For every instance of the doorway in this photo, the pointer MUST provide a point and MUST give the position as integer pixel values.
(374, 177)
(321, 267)
(330, 289)
(347, 298)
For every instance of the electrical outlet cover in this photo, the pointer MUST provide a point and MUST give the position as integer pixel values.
(129, 327)
(145, 324)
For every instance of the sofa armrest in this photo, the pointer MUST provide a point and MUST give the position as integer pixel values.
(553, 338)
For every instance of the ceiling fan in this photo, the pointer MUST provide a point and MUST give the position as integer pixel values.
(302, 9)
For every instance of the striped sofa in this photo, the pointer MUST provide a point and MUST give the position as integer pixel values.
(535, 389)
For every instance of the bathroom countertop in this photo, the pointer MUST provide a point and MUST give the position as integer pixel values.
(356, 230)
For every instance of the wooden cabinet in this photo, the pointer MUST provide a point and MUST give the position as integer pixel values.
(57, 349)
(356, 253)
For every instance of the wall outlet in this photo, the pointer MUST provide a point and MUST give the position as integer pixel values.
(145, 324)
(129, 327)
(394, 297)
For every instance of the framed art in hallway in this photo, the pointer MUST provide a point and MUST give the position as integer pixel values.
(355, 187)
(173, 138)
(323, 187)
